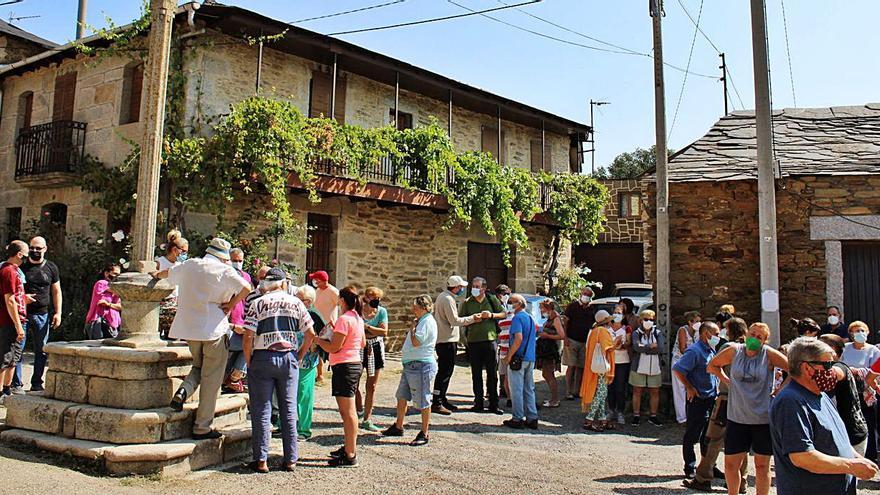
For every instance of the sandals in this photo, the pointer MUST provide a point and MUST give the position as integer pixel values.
(550, 404)
(593, 426)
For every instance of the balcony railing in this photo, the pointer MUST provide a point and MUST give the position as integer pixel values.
(55, 147)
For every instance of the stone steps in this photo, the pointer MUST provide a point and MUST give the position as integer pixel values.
(114, 425)
(173, 458)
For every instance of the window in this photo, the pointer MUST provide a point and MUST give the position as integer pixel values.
(65, 89)
(575, 155)
(25, 110)
(320, 241)
(53, 223)
(630, 205)
(489, 143)
(540, 162)
(320, 96)
(404, 119)
(132, 85)
(13, 224)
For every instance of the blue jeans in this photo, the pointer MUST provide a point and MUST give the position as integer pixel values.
(522, 392)
(698, 411)
(273, 373)
(39, 325)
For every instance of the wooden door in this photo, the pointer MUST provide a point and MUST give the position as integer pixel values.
(63, 100)
(485, 260)
(861, 284)
(612, 263)
(320, 238)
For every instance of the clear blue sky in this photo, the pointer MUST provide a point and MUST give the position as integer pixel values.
(833, 52)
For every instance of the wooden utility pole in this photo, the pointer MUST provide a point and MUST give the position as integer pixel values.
(156, 77)
(662, 295)
(723, 68)
(766, 175)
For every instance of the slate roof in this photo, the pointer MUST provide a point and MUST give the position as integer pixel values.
(809, 141)
(12, 30)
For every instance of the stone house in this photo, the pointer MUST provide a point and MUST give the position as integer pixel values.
(62, 104)
(16, 43)
(828, 216)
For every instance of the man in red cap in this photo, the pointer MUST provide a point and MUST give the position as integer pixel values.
(326, 303)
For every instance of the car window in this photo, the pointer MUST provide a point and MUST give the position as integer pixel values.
(635, 292)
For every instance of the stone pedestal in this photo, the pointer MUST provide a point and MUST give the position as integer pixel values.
(141, 295)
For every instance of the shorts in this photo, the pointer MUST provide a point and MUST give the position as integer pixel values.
(502, 365)
(416, 383)
(373, 355)
(345, 379)
(741, 439)
(642, 380)
(574, 354)
(10, 348)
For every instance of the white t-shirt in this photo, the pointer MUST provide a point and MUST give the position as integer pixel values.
(165, 264)
(621, 356)
(275, 318)
(205, 284)
(860, 358)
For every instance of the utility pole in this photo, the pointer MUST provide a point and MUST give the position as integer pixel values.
(662, 295)
(723, 68)
(766, 176)
(156, 76)
(593, 134)
(81, 19)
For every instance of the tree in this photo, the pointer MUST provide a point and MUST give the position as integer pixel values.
(630, 165)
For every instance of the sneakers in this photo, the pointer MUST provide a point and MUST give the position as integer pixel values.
(496, 410)
(207, 436)
(392, 431)
(16, 391)
(37, 388)
(420, 439)
(654, 421)
(451, 407)
(340, 452)
(441, 410)
(344, 461)
(516, 424)
(700, 486)
(369, 426)
(477, 408)
(635, 421)
(3, 398)
(621, 420)
(178, 399)
(532, 425)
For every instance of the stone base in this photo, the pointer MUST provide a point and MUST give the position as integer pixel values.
(172, 458)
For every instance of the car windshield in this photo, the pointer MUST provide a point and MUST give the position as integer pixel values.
(634, 292)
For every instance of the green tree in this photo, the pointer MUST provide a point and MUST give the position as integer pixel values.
(631, 164)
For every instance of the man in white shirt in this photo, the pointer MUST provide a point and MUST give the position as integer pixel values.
(209, 288)
(448, 321)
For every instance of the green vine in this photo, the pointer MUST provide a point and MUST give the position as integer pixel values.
(119, 39)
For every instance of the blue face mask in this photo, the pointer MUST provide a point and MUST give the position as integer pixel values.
(860, 337)
(182, 257)
(460, 291)
(714, 341)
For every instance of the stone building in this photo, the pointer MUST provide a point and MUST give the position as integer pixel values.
(17, 44)
(828, 215)
(63, 104)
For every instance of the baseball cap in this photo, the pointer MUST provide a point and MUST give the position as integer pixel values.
(602, 315)
(455, 281)
(319, 275)
(275, 274)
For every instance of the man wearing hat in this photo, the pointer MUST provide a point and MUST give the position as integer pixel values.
(448, 321)
(326, 304)
(208, 289)
(270, 349)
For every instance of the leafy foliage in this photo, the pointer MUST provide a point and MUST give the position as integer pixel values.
(127, 40)
(114, 187)
(569, 282)
(576, 204)
(631, 165)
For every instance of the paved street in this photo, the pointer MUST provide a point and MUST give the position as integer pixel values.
(468, 453)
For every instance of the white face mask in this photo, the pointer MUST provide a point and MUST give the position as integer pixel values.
(647, 324)
(860, 337)
(617, 318)
(586, 299)
(696, 326)
(475, 292)
(314, 283)
(833, 320)
(238, 265)
(504, 299)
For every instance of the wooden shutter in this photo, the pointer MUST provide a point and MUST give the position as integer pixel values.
(404, 121)
(489, 141)
(134, 97)
(65, 89)
(538, 162)
(27, 109)
(320, 98)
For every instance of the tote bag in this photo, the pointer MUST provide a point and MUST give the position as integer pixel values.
(599, 365)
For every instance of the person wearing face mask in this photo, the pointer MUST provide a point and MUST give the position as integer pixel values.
(645, 371)
(523, 330)
(376, 327)
(103, 319)
(236, 368)
(176, 252)
(702, 389)
(750, 382)
(448, 323)
(683, 340)
(13, 316)
(549, 360)
(579, 319)
(326, 303)
(811, 449)
(502, 292)
(860, 354)
(848, 396)
(481, 335)
(835, 323)
(594, 386)
(622, 343)
(43, 284)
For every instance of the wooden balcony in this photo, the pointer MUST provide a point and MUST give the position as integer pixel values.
(49, 154)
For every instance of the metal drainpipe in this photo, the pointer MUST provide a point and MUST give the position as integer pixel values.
(333, 90)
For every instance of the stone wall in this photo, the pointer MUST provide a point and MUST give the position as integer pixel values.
(617, 228)
(13, 49)
(714, 245)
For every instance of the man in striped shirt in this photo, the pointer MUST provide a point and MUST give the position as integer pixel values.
(503, 341)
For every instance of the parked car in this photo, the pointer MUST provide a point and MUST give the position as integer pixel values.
(642, 296)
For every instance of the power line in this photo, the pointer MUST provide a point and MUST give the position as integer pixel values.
(788, 54)
(435, 19)
(733, 85)
(620, 51)
(362, 9)
(688, 66)
(834, 212)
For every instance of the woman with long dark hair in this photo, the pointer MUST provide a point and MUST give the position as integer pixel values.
(344, 347)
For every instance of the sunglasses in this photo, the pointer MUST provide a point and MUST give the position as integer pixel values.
(826, 365)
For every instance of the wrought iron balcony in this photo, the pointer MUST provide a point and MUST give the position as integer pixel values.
(56, 148)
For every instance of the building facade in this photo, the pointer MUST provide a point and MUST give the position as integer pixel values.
(62, 105)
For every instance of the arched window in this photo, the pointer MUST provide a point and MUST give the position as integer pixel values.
(53, 223)
(25, 110)
(132, 85)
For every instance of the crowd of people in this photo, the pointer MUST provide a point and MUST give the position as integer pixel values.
(810, 405)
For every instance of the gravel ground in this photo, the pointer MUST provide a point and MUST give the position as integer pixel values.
(468, 453)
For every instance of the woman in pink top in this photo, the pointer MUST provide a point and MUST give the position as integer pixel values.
(345, 360)
(105, 306)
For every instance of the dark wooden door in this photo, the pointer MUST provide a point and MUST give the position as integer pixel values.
(320, 237)
(861, 284)
(612, 263)
(485, 260)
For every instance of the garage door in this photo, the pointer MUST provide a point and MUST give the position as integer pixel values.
(612, 263)
(485, 260)
(861, 284)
